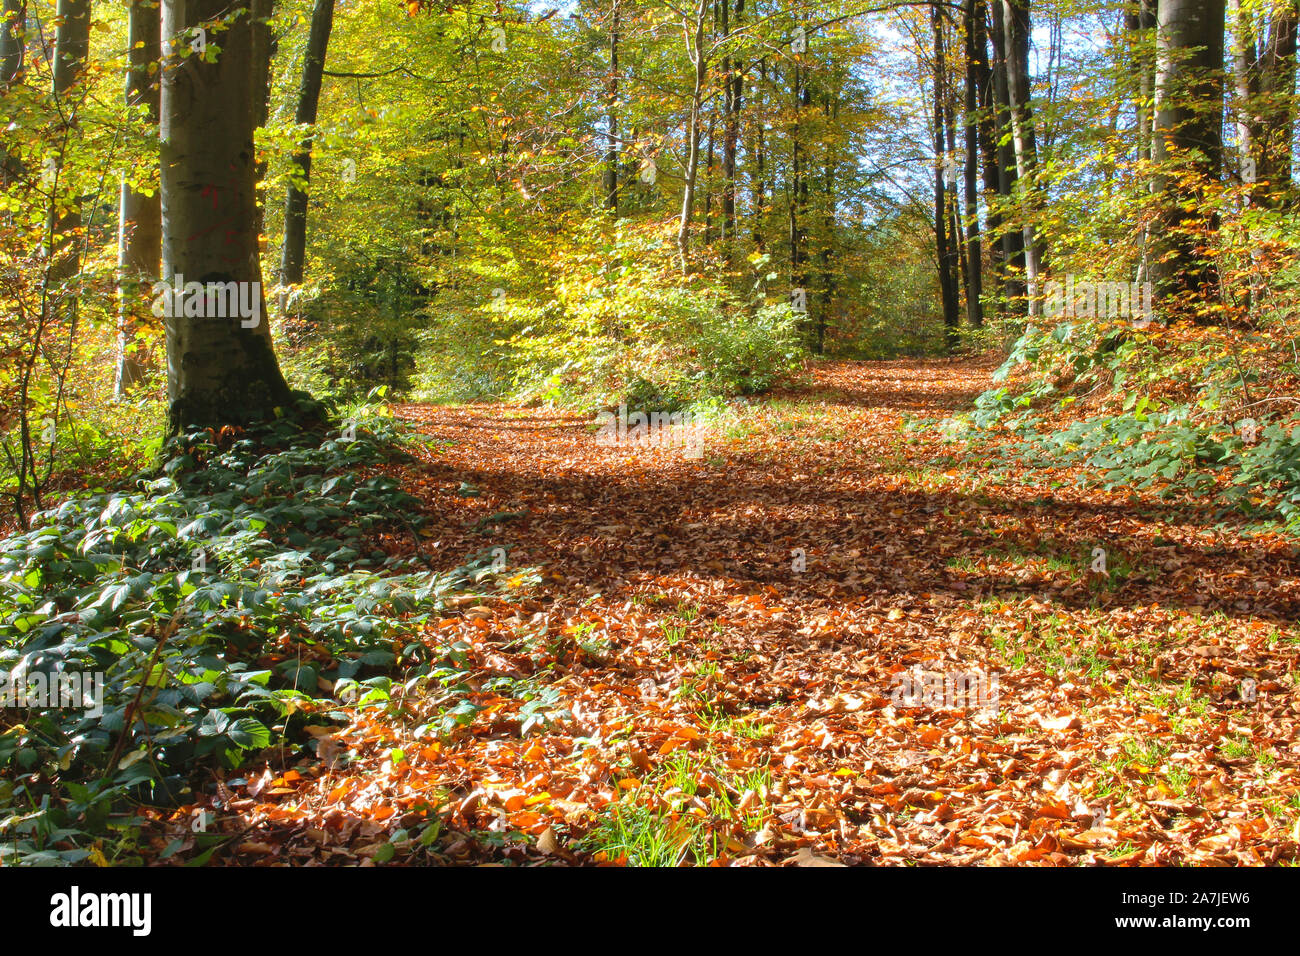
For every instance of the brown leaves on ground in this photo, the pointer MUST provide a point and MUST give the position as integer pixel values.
(729, 634)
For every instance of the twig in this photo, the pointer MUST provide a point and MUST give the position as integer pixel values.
(1280, 398)
(415, 540)
(172, 626)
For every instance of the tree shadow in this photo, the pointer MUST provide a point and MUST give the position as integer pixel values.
(749, 524)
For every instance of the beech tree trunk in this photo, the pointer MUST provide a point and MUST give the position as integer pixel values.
(13, 13)
(293, 254)
(264, 45)
(700, 62)
(760, 168)
(1245, 81)
(733, 90)
(72, 47)
(976, 51)
(1140, 22)
(1278, 85)
(13, 16)
(1017, 29)
(944, 246)
(988, 145)
(1146, 68)
(708, 183)
(611, 149)
(1264, 74)
(220, 370)
(827, 245)
(956, 246)
(139, 235)
(1187, 142)
(798, 206)
(1013, 239)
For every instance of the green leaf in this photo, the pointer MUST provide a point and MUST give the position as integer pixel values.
(250, 733)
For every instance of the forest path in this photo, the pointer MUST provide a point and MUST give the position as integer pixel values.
(718, 650)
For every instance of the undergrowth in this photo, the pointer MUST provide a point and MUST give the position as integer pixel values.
(225, 603)
(1169, 410)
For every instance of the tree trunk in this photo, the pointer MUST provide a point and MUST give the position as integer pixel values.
(734, 80)
(72, 47)
(760, 164)
(264, 45)
(1276, 123)
(988, 145)
(1013, 239)
(700, 63)
(293, 254)
(1016, 24)
(611, 94)
(943, 247)
(798, 207)
(957, 247)
(1187, 142)
(976, 51)
(708, 183)
(221, 368)
(13, 17)
(139, 237)
(826, 252)
(1145, 66)
(1140, 22)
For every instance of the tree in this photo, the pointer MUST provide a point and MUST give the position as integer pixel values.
(1264, 77)
(693, 28)
(71, 49)
(1277, 74)
(945, 242)
(264, 47)
(976, 53)
(221, 368)
(611, 149)
(12, 17)
(800, 173)
(1187, 149)
(1002, 136)
(294, 249)
(1140, 23)
(758, 178)
(733, 91)
(139, 240)
(1016, 33)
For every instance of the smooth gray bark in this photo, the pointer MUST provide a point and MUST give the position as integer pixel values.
(699, 60)
(293, 253)
(973, 27)
(139, 236)
(12, 15)
(219, 370)
(1187, 143)
(1017, 29)
(71, 48)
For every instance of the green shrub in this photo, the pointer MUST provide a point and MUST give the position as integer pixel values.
(613, 323)
(218, 599)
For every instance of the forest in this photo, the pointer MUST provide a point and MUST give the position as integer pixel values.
(649, 433)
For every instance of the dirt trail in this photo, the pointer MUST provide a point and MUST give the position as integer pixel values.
(735, 636)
